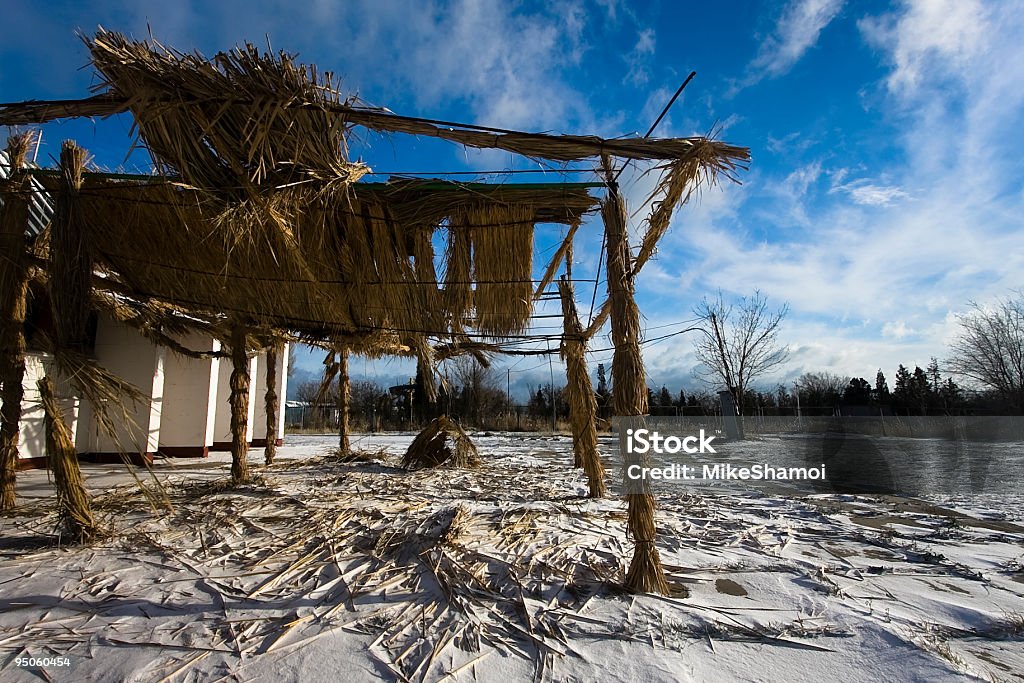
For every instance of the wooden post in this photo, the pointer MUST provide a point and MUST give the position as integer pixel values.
(239, 406)
(72, 498)
(13, 291)
(629, 388)
(272, 402)
(582, 403)
(344, 400)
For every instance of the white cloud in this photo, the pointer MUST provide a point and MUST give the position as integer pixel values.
(796, 31)
(929, 39)
(867, 193)
(639, 57)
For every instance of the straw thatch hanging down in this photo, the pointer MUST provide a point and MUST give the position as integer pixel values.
(272, 402)
(14, 278)
(629, 388)
(442, 442)
(239, 401)
(582, 403)
(72, 498)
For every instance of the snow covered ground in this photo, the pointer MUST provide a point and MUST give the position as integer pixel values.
(328, 570)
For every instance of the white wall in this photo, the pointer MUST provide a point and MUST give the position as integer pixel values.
(260, 427)
(32, 439)
(138, 361)
(222, 406)
(190, 392)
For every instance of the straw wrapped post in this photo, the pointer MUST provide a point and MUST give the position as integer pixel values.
(629, 389)
(239, 400)
(582, 403)
(273, 403)
(70, 266)
(13, 290)
(72, 498)
(344, 398)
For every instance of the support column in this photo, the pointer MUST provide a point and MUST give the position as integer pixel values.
(582, 404)
(13, 290)
(344, 400)
(72, 498)
(239, 406)
(272, 402)
(70, 284)
(629, 389)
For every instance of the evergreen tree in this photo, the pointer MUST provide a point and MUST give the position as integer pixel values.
(664, 398)
(857, 392)
(901, 398)
(920, 391)
(681, 401)
(881, 392)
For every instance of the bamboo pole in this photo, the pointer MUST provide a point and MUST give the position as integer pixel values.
(239, 406)
(13, 291)
(272, 402)
(72, 498)
(344, 400)
(629, 388)
(582, 403)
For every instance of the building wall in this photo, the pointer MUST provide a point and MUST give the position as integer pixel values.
(260, 425)
(32, 437)
(138, 361)
(190, 392)
(222, 406)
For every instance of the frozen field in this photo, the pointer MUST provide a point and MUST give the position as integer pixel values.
(364, 571)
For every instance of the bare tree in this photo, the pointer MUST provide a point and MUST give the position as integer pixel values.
(819, 390)
(741, 342)
(990, 348)
(481, 395)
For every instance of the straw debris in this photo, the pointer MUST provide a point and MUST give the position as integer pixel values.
(442, 442)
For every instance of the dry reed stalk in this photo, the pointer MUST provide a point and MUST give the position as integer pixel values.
(582, 403)
(679, 183)
(441, 442)
(629, 388)
(344, 400)
(502, 267)
(564, 252)
(273, 404)
(239, 406)
(72, 498)
(226, 124)
(71, 265)
(458, 292)
(14, 278)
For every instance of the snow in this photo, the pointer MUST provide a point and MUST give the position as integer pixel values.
(328, 569)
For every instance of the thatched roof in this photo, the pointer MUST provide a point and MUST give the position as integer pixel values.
(258, 217)
(327, 264)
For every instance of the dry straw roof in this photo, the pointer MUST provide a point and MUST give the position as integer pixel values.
(259, 216)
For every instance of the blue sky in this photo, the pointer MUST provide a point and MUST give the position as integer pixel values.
(884, 194)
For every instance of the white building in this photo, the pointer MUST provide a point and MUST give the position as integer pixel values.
(186, 412)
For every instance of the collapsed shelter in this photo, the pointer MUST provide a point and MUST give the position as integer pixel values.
(258, 230)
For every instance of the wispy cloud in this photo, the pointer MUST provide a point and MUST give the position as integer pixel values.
(868, 193)
(796, 32)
